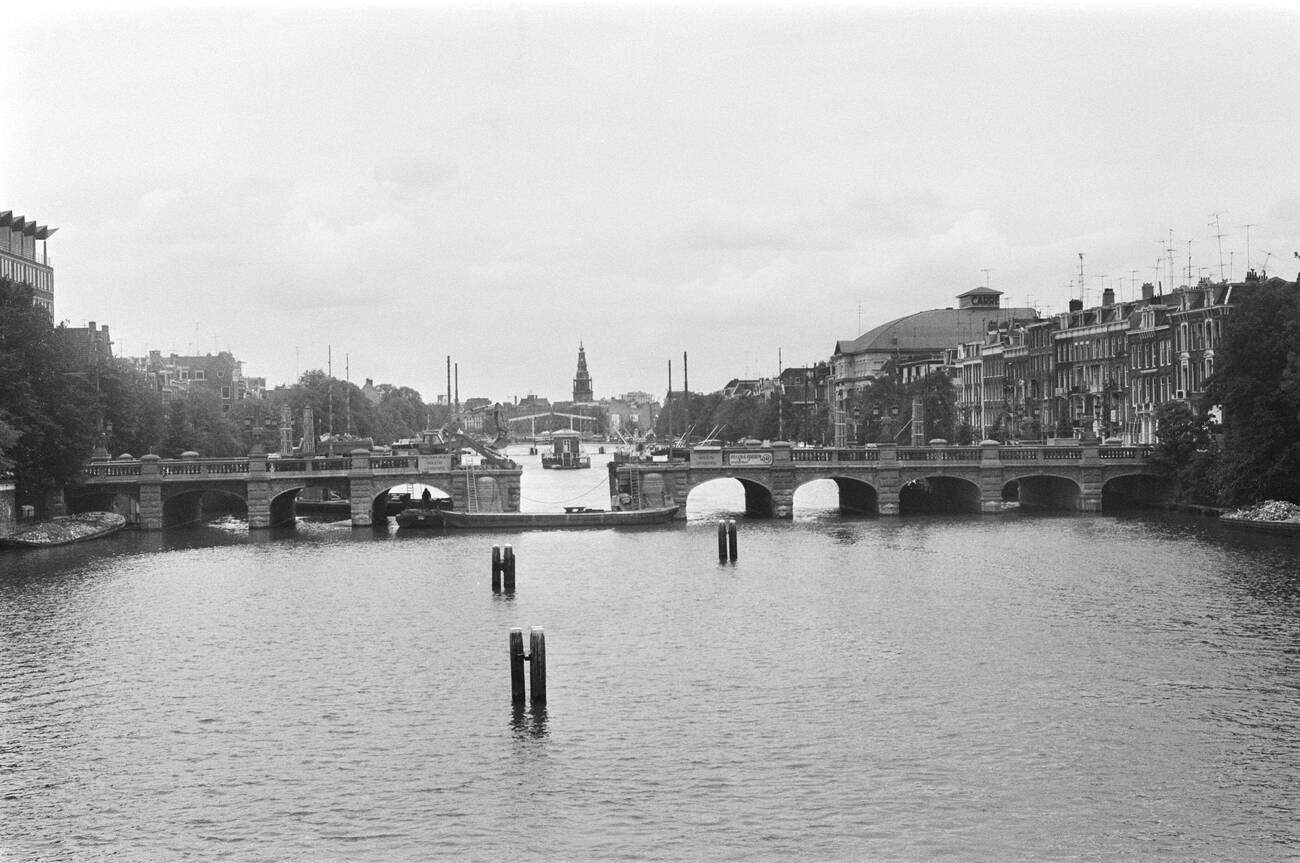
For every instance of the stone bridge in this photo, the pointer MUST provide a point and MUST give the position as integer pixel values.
(893, 480)
(156, 493)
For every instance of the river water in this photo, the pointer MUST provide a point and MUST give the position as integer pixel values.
(997, 687)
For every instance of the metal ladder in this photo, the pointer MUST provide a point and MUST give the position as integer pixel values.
(471, 489)
(634, 487)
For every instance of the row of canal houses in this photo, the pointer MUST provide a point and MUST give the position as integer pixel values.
(1094, 372)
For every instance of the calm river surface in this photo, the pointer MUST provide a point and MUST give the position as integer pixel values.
(1008, 687)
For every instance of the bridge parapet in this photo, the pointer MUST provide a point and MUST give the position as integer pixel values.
(263, 482)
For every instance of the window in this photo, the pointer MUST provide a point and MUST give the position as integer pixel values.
(225, 392)
(200, 375)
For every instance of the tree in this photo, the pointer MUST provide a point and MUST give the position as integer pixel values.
(1256, 381)
(1186, 447)
(49, 410)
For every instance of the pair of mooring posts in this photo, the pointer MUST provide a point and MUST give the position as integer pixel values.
(503, 569)
(727, 540)
(536, 659)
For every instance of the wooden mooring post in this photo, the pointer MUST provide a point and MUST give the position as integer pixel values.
(536, 659)
(537, 665)
(503, 569)
(517, 664)
(726, 540)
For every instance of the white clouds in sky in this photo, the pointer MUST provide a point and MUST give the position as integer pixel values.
(498, 182)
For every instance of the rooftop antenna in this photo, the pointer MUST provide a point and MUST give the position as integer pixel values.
(859, 324)
(1231, 253)
(986, 271)
(1169, 250)
(1189, 262)
(1219, 236)
(1264, 269)
(1248, 227)
(1081, 281)
(1132, 284)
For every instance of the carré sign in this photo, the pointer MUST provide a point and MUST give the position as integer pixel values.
(749, 459)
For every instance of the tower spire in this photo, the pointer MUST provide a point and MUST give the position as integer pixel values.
(582, 378)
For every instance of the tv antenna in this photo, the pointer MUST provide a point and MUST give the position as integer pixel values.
(1248, 227)
(986, 271)
(1218, 234)
(1081, 281)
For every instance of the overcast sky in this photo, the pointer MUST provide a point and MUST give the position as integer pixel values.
(741, 182)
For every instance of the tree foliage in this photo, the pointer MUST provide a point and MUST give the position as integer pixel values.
(1187, 448)
(48, 409)
(1256, 381)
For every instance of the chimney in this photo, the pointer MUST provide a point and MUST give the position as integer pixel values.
(1076, 305)
(1148, 290)
(1108, 297)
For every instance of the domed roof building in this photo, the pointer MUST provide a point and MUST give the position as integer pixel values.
(920, 336)
(923, 335)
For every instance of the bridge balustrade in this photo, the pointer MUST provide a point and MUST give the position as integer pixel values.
(217, 467)
(111, 470)
(287, 465)
(963, 454)
(834, 455)
(1062, 453)
(1125, 452)
(322, 465)
(391, 463)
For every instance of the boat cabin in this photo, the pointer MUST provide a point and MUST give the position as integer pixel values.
(566, 452)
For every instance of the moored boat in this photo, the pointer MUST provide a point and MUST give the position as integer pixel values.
(65, 529)
(566, 452)
(572, 517)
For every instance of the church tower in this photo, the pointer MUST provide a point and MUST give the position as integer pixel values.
(582, 379)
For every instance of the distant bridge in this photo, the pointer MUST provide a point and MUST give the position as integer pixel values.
(157, 493)
(532, 418)
(893, 480)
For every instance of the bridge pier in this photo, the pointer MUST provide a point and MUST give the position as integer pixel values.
(151, 502)
(259, 493)
(887, 501)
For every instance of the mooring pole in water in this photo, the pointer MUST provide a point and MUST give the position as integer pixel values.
(537, 664)
(731, 538)
(517, 664)
(722, 540)
(496, 569)
(508, 567)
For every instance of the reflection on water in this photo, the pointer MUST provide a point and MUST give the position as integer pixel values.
(1010, 687)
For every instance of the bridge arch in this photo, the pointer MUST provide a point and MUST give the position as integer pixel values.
(91, 499)
(852, 495)
(1044, 491)
(189, 506)
(1137, 490)
(938, 494)
(393, 499)
(752, 498)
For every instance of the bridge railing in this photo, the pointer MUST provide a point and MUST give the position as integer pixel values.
(204, 467)
(1126, 452)
(113, 469)
(834, 455)
(926, 453)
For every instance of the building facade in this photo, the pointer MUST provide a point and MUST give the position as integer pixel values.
(24, 257)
